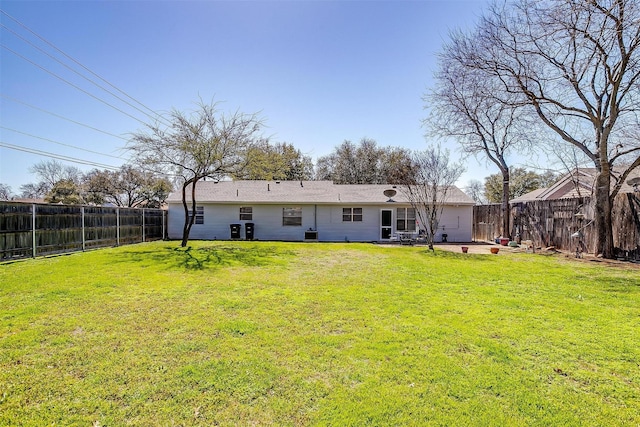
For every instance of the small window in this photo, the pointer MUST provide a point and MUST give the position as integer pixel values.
(357, 214)
(291, 216)
(199, 215)
(246, 214)
(352, 214)
(405, 219)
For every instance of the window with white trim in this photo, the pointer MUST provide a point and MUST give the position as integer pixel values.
(291, 216)
(246, 213)
(199, 215)
(351, 214)
(405, 219)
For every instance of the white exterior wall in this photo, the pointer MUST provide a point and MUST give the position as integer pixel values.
(331, 228)
(456, 222)
(267, 221)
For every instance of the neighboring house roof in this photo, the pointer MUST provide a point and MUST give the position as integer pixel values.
(528, 197)
(577, 183)
(27, 200)
(319, 192)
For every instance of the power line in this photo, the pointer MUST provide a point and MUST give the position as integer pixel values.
(62, 143)
(57, 156)
(158, 116)
(70, 84)
(62, 117)
(78, 73)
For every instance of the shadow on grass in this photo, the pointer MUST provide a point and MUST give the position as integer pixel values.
(623, 285)
(439, 253)
(209, 257)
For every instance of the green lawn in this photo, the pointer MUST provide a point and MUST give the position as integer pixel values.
(257, 333)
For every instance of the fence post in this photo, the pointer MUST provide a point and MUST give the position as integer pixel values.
(83, 230)
(117, 226)
(143, 239)
(33, 229)
(164, 216)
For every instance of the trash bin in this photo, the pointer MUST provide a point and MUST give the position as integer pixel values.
(248, 230)
(444, 237)
(235, 231)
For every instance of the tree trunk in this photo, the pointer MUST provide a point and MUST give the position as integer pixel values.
(431, 225)
(188, 219)
(603, 219)
(506, 214)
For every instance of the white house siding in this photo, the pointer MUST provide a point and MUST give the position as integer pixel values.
(325, 218)
(267, 220)
(331, 228)
(456, 222)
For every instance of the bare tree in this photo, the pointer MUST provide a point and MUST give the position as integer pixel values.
(5, 192)
(48, 174)
(201, 144)
(34, 190)
(51, 171)
(464, 106)
(126, 187)
(576, 64)
(429, 187)
(475, 190)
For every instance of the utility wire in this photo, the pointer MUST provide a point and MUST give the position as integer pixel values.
(57, 156)
(71, 84)
(62, 117)
(78, 73)
(62, 143)
(158, 116)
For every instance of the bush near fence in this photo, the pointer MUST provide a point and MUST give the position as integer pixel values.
(554, 222)
(30, 230)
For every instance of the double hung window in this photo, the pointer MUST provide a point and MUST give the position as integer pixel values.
(246, 213)
(351, 214)
(199, 215)
(405, 219)
(291, 216)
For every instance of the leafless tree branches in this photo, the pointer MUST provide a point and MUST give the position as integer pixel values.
(429, 187)
(576, 65)
(202, 144)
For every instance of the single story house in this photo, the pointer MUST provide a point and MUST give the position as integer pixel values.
(577, 183)
(312, 210)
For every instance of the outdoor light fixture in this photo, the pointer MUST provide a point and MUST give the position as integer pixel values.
(635, 183)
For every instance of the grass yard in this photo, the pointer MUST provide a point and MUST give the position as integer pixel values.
(256, 333)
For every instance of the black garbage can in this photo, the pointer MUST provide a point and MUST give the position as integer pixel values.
(444, 237)
(235, 231)
(248, 230)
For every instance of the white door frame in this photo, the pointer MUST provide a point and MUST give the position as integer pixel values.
(384, 228)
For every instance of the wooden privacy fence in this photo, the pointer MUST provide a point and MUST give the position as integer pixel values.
(555, 223)
(30, 230)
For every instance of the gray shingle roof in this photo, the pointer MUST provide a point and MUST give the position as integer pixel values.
(317, 192)
(577, 183)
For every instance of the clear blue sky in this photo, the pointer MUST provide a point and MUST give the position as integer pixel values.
(320, 72)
